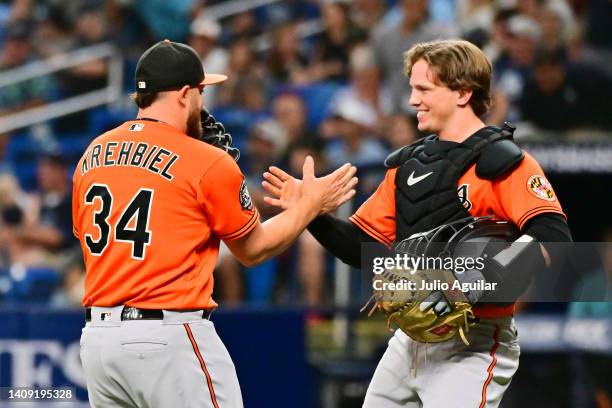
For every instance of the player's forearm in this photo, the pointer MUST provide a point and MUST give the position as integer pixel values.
(513, 268)
(276, 234)
(342, 238)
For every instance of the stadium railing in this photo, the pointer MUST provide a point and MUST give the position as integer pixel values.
(104, 96)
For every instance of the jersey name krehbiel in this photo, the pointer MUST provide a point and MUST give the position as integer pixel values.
(150, 205)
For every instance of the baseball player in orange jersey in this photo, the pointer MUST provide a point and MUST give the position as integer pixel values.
(462, 169)
(150, 203)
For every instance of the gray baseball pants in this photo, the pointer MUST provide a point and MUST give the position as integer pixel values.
(179, 361)
(448, 374)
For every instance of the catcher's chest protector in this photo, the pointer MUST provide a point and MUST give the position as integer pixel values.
(429, 171)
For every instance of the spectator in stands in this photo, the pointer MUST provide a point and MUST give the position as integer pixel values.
(52, 35)
(496, 48)
(364, 88)
(351, 130)
(241, 25)
(390, 42)
(474, 16)
(267, 144)
(367, 13)
(17, 210)
(331, 57)
(522, 44)
(204, 35)
(515, 64)
(287, 61)
(350, 135)
(11, 217)
(247, 84)
(530, 8)
(496, 44)
(53, 229)
(475, 20)
(17, 51)
(535, 9)
(289, 110)
(90, 29)
(560, 98)
(555, 37)
(11, 195)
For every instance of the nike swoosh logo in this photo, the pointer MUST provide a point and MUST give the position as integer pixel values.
(413, 180)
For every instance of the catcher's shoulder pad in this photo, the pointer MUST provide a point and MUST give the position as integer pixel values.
(500, 156)
(402, 154)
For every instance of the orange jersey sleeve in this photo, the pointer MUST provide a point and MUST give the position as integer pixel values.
(520, 195)
(526, 192)
(377, 215)
(223, 193)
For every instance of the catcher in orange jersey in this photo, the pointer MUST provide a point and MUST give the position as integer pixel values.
(150, 203)
(463, 169)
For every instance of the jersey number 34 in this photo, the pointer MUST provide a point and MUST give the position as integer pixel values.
(136, 233)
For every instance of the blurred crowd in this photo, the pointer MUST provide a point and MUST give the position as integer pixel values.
(319, 77)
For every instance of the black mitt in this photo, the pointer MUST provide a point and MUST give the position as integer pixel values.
(214, 133)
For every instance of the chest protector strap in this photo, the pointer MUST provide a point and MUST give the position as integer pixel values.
(428, 173)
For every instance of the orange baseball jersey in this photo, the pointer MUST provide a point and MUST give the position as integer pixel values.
(150, 205)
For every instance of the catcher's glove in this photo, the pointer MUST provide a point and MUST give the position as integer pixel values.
(403, 306)
(214, 133)
(431, 314)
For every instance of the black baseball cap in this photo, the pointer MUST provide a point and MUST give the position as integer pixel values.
(170, 65)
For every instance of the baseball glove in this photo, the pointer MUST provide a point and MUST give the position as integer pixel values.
(214, 133)
(403, 304)
(426, 307)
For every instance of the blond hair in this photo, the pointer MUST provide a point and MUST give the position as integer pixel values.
(457, 64)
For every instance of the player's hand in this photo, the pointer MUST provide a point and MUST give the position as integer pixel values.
(285, 189)
(436, 301)
(329, 192)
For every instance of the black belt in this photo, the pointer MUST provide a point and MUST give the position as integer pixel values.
(132, 313)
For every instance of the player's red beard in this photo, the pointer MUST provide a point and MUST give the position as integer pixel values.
(194, 126)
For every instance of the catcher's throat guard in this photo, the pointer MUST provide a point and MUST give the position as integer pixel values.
(399, 293)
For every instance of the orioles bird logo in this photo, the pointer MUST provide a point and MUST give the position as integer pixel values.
(540, 187)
